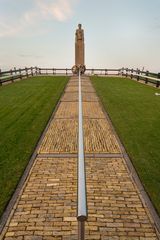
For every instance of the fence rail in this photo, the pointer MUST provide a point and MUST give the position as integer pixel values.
(14, 74)
(146, 76)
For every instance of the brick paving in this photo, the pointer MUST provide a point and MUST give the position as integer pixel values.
(46, 206)
(114, 205)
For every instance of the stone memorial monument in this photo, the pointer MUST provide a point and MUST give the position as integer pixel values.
(79, 51)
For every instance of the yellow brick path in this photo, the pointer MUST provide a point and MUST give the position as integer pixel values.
(46, 207)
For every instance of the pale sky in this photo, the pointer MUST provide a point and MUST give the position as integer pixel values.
(118, 33)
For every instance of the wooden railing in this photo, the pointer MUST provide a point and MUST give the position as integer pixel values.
(68, 71)
(14, 74)
(146, 76)
(103, 71)
(55, 71)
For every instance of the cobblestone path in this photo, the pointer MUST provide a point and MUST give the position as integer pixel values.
(46, 207)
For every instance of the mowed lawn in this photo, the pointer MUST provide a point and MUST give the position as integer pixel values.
(135, 112)
(25, 108)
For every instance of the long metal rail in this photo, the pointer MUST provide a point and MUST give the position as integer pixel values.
(82, 198)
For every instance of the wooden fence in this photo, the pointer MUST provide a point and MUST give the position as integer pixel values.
(146, 76)
(14, 74)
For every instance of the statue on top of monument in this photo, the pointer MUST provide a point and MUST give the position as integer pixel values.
(79, 33)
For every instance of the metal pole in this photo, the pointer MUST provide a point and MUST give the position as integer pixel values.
(81, 230)
(82, 202)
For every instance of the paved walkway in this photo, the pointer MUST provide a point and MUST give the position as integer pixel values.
(46, 207)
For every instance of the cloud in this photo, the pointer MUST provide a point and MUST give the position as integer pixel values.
(61, 10)
(42, 10)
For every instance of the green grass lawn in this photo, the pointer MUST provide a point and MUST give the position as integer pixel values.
(135, 112)
(25, 108)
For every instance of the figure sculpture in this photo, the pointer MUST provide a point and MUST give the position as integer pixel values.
(79, 33)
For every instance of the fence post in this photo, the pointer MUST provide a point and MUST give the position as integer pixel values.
(92, 71)
(132, 73)
(53, 71)
(15, 70)
(0, 79)
(158, 82)
(32, 71)
(26, 72)
(11, 72)
(138, 72)
(122, 71)
(35, 70)
(126, 72)
(129, 72)
(146, 79)
(20, 73)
